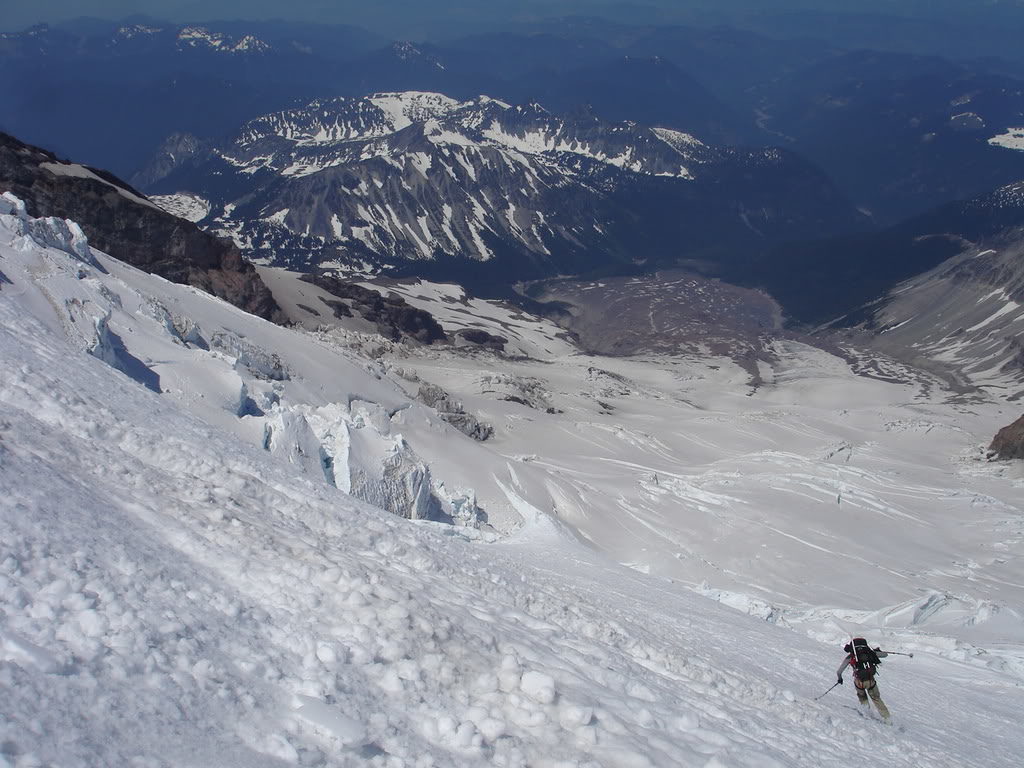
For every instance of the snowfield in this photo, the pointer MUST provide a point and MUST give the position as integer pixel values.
(190, 574)
(1012, 138)
(184, 205)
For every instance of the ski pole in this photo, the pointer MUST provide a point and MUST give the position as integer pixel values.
(834, 685)
(897, 653)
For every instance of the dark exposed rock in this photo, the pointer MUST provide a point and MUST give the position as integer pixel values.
(1009, 441)
(524, 390)
(121, 222)
(468, 425)
(516, 399)
(394, 317)
(452, 412)
(482, 338)
(339, 308)
(433, 396)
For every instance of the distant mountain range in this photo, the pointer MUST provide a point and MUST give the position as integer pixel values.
(483, 187)
(129, 86)
(899, 133)
(639, 159)
(95, 39)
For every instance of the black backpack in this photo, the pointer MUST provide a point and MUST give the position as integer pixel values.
(864, 660)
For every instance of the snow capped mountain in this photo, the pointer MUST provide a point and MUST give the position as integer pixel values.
(133, 39)
(203, 38)
(130, 31)
(190, 570)
(37, 39)
(398, 177)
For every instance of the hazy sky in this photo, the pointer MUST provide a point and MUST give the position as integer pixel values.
(382, 13)
(437, 19)
(378, 14)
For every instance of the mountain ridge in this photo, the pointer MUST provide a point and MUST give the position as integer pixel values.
(394, 179)
(119, 220)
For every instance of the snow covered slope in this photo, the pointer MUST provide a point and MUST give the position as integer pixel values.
(814, 488)
(178, 590)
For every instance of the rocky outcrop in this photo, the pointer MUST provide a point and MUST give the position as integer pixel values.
(1009, 442)
(121, 222)
(452, 412)
(395, 318)
(479, 338)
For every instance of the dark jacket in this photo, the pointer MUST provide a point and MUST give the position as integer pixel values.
(849, 662)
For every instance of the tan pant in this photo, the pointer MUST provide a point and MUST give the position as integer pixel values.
(867, 688)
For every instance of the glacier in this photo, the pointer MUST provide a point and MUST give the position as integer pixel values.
(666, 582)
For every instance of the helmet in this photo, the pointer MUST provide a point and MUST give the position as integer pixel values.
(848, 648)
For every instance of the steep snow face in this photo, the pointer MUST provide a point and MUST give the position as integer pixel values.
(252, 388)
(226, 602)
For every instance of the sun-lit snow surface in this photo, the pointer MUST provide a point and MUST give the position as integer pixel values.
(782, 501)
(173, 593)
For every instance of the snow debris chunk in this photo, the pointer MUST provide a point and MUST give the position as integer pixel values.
(331, 720)
(510, 674)
(572, 716)
(538, 686)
